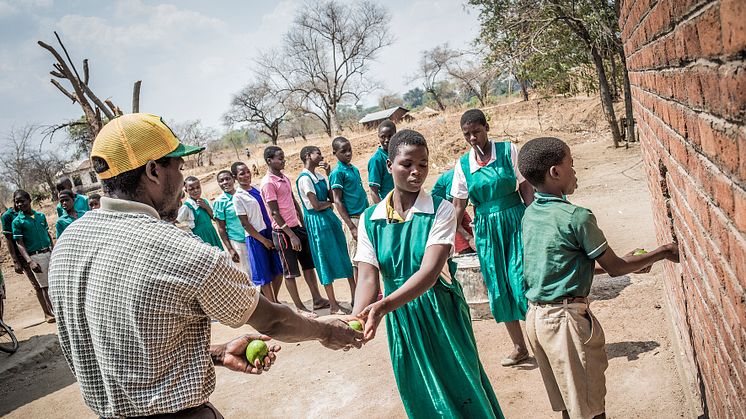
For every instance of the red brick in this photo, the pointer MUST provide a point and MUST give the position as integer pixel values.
(733, 86)
(739, 198)
(708, 28)
(723, 194)
(733, 23)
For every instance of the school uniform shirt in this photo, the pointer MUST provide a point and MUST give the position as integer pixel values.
(245, 204)
(305, 185)
(561, 242)
(186, 215)
(443, 230)
(223, 210)
(278, 188)
(459, 188)
(347, 178)
(33, 229)
(64, 221)
(378, 173)
(442, 186)
(80, 203)
(134, 310)
(7, 220)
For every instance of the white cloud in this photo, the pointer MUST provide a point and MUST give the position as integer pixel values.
(7, 10)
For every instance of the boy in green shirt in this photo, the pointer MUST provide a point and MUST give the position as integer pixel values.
(349, 195)
(80, 201)
(67, 200)
(562, 244)
(31, 234)
(379, 178)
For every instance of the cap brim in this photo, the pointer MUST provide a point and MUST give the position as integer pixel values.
(184, 150)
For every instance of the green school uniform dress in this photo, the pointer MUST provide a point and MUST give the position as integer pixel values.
(80, 204)
(431, 341)
(224, 211)
(442, 186)
(203, 227)
(498, 211)
(378, 173)
(325, 236)
(64, 221)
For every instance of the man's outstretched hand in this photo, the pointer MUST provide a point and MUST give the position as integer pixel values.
(232, 355)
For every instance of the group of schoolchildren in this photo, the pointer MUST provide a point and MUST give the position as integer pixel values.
(538, 254)
(29, 241)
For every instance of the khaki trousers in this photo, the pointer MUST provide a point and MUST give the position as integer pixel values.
(43, 260)
(568, 343)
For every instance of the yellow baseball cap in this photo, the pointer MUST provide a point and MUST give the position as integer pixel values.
(131, 140)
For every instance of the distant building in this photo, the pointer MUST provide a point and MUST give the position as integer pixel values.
(395, 114)
(82, 175)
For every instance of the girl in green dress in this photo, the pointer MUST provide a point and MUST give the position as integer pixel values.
(325, 236)
(196, 212)
(407, 238)
(488, 176)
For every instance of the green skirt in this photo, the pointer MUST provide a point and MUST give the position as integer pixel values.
(435, 358)
(500, 250)
(328, 246)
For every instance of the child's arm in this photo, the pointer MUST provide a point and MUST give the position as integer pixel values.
(616, 266)
(527, 192)
(460, 208)
(205, 206)
(338, 194)
(316, 204)
(422, 280)
(368, 286)
(253, 232)
(299, 211)
(24, 254)
(274, 211)
(223, 232)
(373, 194)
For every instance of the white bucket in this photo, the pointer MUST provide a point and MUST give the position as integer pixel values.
(475, 292)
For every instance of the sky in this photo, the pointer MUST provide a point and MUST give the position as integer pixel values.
(191, 55)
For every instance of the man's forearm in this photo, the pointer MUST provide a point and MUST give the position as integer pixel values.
(284, 324)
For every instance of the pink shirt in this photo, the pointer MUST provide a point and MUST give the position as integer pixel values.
(277, 188)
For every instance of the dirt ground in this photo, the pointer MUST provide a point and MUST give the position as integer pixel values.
(310, 381)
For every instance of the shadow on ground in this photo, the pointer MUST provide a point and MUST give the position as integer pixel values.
(607, 288)
(37, 356)
(631, 350)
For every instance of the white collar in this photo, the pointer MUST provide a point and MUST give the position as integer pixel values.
(125, 205)
(315, 177)
(423, 204)
(191, 201)
(473, 165)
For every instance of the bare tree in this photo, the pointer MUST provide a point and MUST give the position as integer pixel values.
(16, 165)
(95, 111)
(326, 55)
(193, 133)
(390, 100)
(432, 70)
(475, 76)
(259, 106)
(47, 167)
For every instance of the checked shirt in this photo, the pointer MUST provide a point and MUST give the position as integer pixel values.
(134, 296)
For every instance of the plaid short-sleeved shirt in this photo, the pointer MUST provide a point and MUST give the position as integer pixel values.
(134, 296)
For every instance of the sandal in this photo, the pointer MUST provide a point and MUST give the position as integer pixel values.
(509, 362)
(321, 306)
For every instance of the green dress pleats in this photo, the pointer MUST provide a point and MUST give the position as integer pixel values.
(326, 238)
(203, 227)
(497, 231)
(431, 342)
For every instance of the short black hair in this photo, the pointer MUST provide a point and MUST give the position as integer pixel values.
(224, 171)
(405, 137)
(338, 142)
(94, 196)
(473, 116)
(387, 123)
(235, 166)
(270, 152)
(68, 193)
(63, 183)
(129, 181)
(190, 179)
(306, 151)
(538, 155)
(21, 193)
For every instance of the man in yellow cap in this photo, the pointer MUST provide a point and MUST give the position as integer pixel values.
(134, 295)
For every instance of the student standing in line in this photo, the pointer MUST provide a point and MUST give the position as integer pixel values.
(229, 226)
(67, 198)
(80, 201)
(348, 193)
(325, 235)
(31, 234)
(266, 268)
(288, 234)
(380, 181)
(197, 213)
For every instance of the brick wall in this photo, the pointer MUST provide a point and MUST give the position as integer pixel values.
(686, 63)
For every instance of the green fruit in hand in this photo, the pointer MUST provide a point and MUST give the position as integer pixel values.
(256, 349)
(356, 325)
(639, 252)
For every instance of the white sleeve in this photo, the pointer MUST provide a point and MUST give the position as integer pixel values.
(365, 251)
(305, 185)
(185, 216)
(239, 204)
(459, 188)
(443, 230)
(514, 159)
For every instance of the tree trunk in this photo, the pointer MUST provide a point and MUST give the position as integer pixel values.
(614, 79)
(627, 97)
(524, 89)
(441, 106)
(606, 102)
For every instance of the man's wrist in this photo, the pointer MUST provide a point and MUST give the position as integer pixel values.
(217, 354)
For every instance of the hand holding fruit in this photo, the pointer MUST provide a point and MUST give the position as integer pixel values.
(372, 316)
(339, 335)
(236, 351)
